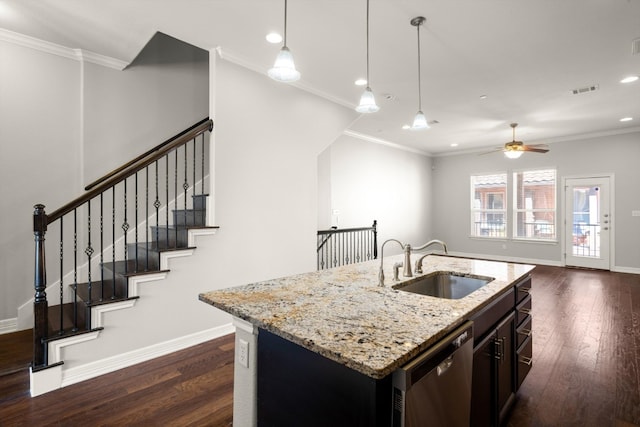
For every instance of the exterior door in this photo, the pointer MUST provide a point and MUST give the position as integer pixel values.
(588, 222)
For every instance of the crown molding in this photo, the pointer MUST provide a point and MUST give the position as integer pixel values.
(380, 141)
(61, 51)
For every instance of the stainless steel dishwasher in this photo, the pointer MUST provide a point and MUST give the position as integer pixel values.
(434, 389)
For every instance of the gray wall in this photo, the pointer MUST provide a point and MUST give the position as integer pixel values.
(366, 181)
(616, 154)
(268, 137)
(64, 123)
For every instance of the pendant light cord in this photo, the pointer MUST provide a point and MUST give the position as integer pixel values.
(285, 23)
(368, 84)
(419, 80)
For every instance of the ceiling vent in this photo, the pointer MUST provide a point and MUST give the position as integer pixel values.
(585, 89)
(635, 47)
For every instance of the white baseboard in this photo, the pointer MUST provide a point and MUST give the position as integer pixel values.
(91, 370)
(631, 270)
(509, 259)
(8, 325)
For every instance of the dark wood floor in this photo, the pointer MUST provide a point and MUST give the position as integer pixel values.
(586, 369)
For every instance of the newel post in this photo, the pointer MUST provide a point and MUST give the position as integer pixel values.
(40, 305)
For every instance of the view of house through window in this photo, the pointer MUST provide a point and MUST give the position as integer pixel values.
(488, 209)
(534, 205)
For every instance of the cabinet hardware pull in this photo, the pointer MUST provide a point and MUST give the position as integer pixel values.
(498, 350)
(525, 290)
(502, 341)
(525, 311)
(525, 332)
(526, 360)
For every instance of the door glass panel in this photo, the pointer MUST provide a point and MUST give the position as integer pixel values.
(586, 221)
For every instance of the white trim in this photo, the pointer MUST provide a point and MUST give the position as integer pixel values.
(62, 51)
(380, 141)
(8, 325)
(120, 361)
(548, 262)
(55, 347)
(631, 270)
(243, 325)
(97, 318)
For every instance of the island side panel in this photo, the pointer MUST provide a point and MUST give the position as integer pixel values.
(245, 412)
(297, 387)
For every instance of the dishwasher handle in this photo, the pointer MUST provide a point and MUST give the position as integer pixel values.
(445, 365)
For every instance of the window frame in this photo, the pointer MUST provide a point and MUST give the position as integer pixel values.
(516, 211)
(474, 230)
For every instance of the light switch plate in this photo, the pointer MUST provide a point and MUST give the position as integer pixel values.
(243, 353)
(635, 213)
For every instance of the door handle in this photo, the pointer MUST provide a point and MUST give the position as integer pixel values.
(445, 365)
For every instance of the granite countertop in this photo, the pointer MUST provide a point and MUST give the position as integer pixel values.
(343, 314)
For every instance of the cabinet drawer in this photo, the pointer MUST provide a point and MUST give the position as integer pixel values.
(523, 331)
(524, 357)
(486, 318)
(523, 289)
(523, 310)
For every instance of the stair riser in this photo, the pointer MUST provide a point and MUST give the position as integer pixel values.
(181, 240)
(200, 201)
(190, 217)
(147, 259)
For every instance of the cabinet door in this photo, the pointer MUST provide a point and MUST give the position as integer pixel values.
(505, 355)
(483, 383)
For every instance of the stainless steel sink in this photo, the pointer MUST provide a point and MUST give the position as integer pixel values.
(444, 284)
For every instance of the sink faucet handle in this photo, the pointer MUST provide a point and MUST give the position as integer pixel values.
(418, 268)
(396, 268)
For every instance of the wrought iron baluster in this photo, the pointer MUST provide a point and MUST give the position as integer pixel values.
(175, 195)
(146, 216)
(166, 182)
(61, 276)
(101, 247)
(135, 225)
(185, 185)
(156, 204)
(75, 270)
(193, 192)
(202, 166)
(113, 241)
(125, 228)
(89, 251)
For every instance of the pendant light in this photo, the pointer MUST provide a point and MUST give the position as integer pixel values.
(284, 69)
(367, 100)
(419, 121)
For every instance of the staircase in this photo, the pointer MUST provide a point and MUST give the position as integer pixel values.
(119, 234)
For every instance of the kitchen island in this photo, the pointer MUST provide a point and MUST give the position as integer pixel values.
(343, 318)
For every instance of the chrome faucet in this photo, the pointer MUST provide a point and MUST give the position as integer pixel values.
(406, 271)
(418, 268)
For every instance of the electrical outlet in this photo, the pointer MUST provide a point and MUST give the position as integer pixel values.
(243, 353)
(635, 213)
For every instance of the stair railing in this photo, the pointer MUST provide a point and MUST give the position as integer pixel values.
(336, 247)
(139, 191)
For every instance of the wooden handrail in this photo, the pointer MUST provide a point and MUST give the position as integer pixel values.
(132, 167)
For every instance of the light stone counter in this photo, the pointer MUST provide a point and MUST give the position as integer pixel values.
(345, 316)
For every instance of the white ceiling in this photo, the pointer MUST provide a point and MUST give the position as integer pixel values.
(525, 56)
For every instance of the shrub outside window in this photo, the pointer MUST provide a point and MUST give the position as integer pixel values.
(488, 205)
(534, 204)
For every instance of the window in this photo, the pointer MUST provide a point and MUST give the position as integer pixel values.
(534, 204)
(488, 208)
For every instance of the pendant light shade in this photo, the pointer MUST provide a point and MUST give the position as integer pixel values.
(367, 100)
(419, 121)
(284, 69)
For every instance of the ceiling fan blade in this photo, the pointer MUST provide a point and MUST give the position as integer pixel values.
(534, 149)
(495, 150)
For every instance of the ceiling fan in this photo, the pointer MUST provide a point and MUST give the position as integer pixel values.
(514, 149)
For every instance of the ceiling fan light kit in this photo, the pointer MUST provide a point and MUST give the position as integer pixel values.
(284, 69)
(514, 149)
